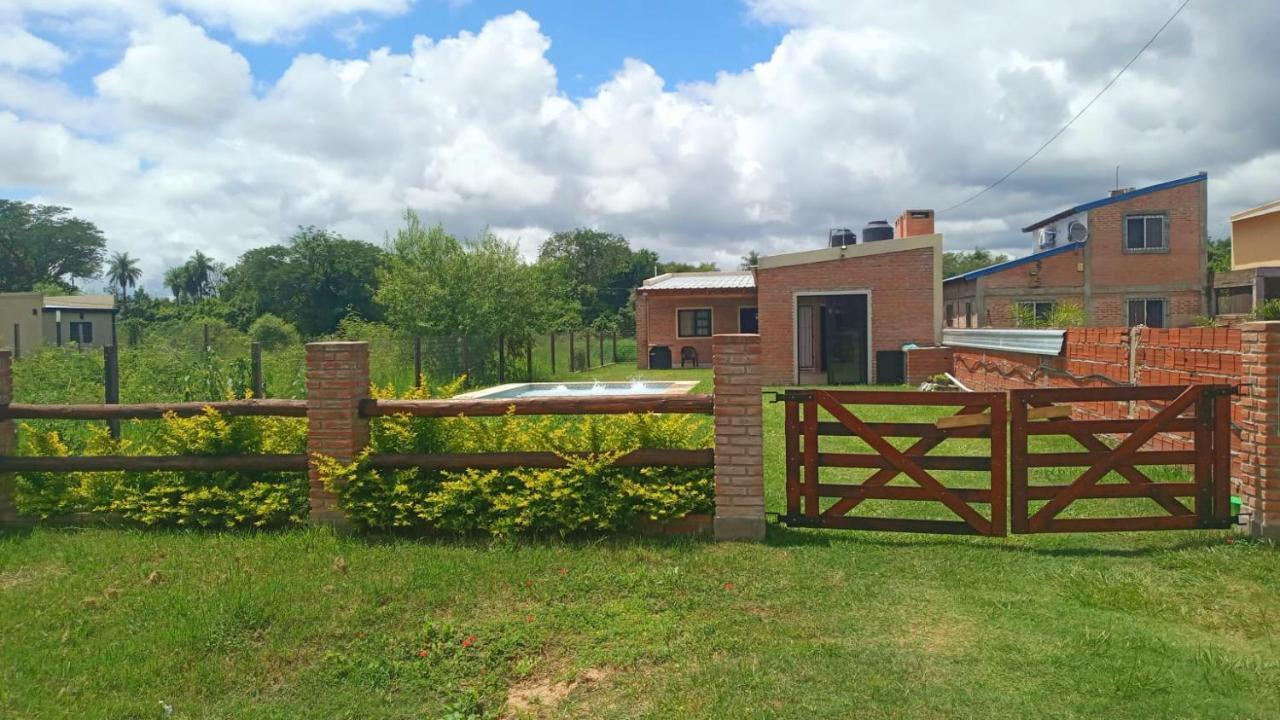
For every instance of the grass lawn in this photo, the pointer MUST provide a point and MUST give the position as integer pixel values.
(112, 623)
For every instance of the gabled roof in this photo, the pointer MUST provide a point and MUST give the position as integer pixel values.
(1198, 177)
(1264, 209)
(991, 269)
(734, 280)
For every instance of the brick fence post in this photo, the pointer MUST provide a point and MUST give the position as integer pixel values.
(739, 420)
(8, 440)
(337, 380)
(1259, 481)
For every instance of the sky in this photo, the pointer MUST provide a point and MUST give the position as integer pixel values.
(701, 130)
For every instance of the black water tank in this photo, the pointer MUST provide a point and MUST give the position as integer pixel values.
(877, 230)
(841, 237)
(660, 358)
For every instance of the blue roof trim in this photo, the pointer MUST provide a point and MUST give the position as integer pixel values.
(992, 269)
(1198, 177)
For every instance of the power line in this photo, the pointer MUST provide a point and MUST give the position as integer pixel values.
(1063, 129)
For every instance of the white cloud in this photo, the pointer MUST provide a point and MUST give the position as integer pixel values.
(861, 110)
(21, 50)
(174, 72)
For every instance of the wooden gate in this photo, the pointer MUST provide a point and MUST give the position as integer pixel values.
(1200, 443)
(980, 415)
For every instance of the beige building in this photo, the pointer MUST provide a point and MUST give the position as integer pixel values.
(28, 320)
(1255, 262)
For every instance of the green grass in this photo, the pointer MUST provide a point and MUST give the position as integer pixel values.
(100, 623)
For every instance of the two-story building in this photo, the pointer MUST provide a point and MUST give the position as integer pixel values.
(1254, 277)
(1136, 257)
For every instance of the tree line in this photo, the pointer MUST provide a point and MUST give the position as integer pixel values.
(422, 280)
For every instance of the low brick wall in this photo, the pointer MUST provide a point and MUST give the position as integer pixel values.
(923, 363)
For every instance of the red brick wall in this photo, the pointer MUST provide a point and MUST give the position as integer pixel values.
(1114, 268)
(8, 440)
(656, 320)
(923, 363)
(902, 302)
(739, 427)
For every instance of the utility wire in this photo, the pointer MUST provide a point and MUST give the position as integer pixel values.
(1063, 129)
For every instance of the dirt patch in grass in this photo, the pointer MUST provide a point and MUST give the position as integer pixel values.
(28, 575)
(535, 697)
(939, 636)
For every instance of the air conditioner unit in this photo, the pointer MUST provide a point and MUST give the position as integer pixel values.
(1077, 232)
(1048, 237)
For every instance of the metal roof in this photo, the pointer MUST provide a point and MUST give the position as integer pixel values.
(1198, 177)
(744, 280)
(990, 269)
(80, 302)
(1035, 342)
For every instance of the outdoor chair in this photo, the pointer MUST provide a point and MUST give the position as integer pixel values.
(688, 355)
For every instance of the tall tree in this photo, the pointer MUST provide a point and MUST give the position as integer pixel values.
(44, 244)
(750, 260)
(123, 272)
(597, 269)
(1220, 255)
(959, 263)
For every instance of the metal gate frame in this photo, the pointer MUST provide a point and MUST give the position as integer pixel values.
(980, 415)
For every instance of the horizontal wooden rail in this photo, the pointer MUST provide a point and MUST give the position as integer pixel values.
(925, 462)
(895, 397)
(911, 430)
(1073, 525)
(507, 460)
(1110, 427)
(1128, 490)
(949, 527)
(155, 463)
(154, 411)
(900, 492)
(604, 405)
(1102, 394)
(1089, 459)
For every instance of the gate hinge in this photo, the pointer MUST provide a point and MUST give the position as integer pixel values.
(791, 395)
(1220, 390)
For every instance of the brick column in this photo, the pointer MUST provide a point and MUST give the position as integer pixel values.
(8, 440)
(739, 419)
(337, 380)
(1259, 481)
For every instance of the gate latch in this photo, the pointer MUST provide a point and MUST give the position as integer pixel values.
(791, 395)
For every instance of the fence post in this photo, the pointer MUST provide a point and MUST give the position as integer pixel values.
(586, 344)
(573, 356)
(257, 383)
(337, 380)
(1259, 483)
(553, 354)
(8, 441)
(417, 361)
(739, 428)
(111, 382)
(615, 346)
(600, 337)
(17, 341)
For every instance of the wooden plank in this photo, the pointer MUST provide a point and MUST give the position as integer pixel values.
(155, 463)
(1121, 524)
(1088, 459)
(1103, 427)
(1128, 490)
(810, 449)
(912, 397)
(1222, 461)
(999, 468)
(911, 430)
(791, 430)
(1042, 396)
(926, 462)
(1119, 456)
(1204, 460)
(1018, 510)
(945, 527)
(1049, 412)
(898, 492)
(963, 421)
(154, 411)
(902, 462)
(919, 448)
(601, 405)
(507, 460)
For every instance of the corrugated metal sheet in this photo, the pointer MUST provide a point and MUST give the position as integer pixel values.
(1035, 342)
(702, 281)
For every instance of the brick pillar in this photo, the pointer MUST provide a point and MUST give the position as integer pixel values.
(337, 380)
(739, 419)
(8, 440)
(1259, 481)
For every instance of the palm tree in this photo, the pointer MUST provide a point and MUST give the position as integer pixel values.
(175, 278)
(201, 270)
(123, 272)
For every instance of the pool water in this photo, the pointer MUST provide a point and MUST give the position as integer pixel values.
(583, 389)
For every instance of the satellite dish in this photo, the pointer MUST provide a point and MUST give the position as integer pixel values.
(1077, 232)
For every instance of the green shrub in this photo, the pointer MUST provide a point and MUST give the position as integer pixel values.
(1204, 321)
(182, 499)
(1269, 310)
(273, 333)
(589, 495)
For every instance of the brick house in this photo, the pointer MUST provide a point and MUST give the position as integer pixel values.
(1137, 257)
(834, 315)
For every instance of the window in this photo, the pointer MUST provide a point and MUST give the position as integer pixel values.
(748, 320)
(694, 323)
(1233, 300)
(82, 332)
(1145, 233)
(1033, 312)
(1147, 311)
(968, 315)
(951, 315)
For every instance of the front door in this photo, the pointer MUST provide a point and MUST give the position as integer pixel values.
(845, 340)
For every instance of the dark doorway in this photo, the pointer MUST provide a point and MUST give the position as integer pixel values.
(844, 338)
(748, 320)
